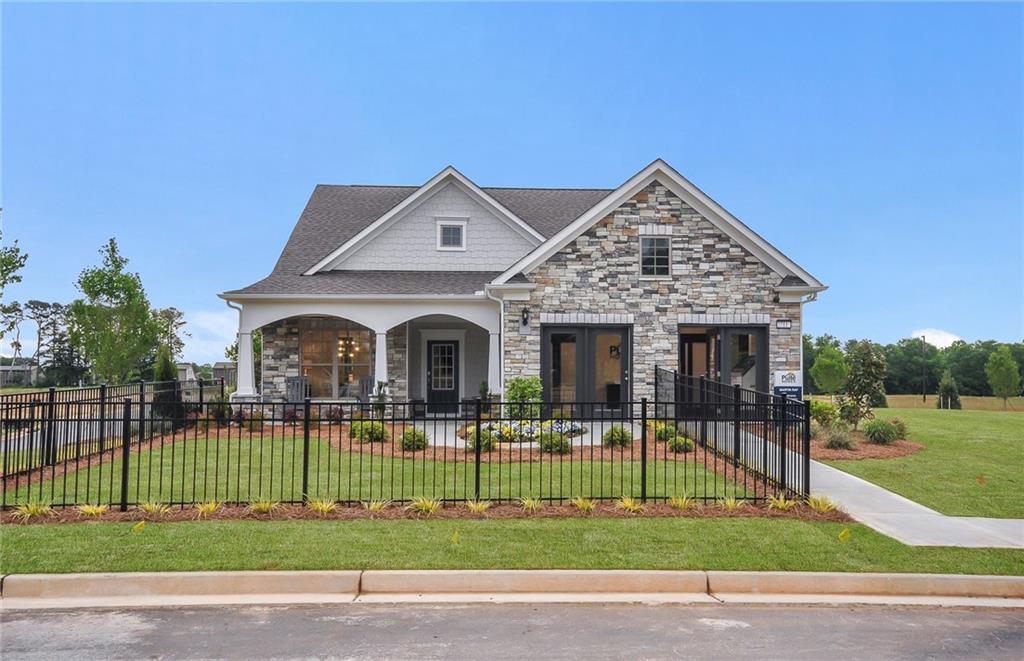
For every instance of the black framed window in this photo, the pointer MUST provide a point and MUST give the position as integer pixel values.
(655, 256)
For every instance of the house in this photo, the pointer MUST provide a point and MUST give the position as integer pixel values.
(186, 372)
(438, 288)
(225, 370)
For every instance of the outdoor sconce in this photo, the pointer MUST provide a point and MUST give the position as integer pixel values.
(783, 324)
(524, 318)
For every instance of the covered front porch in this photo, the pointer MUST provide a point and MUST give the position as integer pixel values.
(435, 352)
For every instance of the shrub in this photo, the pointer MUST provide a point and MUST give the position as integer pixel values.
(332, 415)
(205, 509)
(523, 395)
(478, 506)
(263, 506)
(864, 387)
(781, 503)
(663, 431)
(732, 504)
(248, 418)
(30, 511)
(881, 432)
(837, 437)
(584, 505)
(375, 506)
(154, 508)
(681, 502)
(901, 427)
(823, 413)
(93, 510)
(949, 394)
(219, 410)
(424, 506)
(488, 438)
(617, 437)
(531, 504)
(368, 431)
(630, 504)
(554, 442)
(322, 506)
(817, 430)
(166, 394)
(413, 440)
(680, 443)
(822, 504)
(292, 414)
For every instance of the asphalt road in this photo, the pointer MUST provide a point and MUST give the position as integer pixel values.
(585, 631)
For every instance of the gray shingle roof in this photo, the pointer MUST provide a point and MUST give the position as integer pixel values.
(335, 214)
(372, 282)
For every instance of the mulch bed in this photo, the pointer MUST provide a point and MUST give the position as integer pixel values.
(863, 449)
(449, 511)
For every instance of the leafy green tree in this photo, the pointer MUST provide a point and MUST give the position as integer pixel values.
(949, 395)
(967, 363)
(864, 382)
(12, 260)
(166, 395)
(172, 329)
(912, 364)
(112, 326)
(830, 370)
(1003, 374)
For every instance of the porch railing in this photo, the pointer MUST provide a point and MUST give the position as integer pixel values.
(130, 452)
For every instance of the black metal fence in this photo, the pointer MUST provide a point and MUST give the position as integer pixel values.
(127, 453)
(768, 435)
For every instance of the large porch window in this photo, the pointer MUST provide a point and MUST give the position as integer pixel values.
(336, 356)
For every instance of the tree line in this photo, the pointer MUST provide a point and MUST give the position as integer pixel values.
(912, 366)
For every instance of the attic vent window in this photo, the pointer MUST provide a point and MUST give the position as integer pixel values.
(451, 234)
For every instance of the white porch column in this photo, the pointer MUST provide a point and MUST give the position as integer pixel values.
(494, 363)
(380, 359)
(246, 378)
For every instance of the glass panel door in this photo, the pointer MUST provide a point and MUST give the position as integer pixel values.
(562, 373)
(609, 367)
(586, 366)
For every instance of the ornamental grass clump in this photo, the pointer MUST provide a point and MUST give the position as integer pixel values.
(584, 505)
(781, 503)
(30, 511)
(880, 432)
(682, 503)
(630, 504)
(424, 506)
(376, 506)
(901, 428)
(93, 510)
(821, 504)
(322, 506)
(207, 508)
(154, 508)
(413, 440)
(617, 437)
(837, 437)
(262, 506)
(732, 504)
(530, 504)
(478, 506)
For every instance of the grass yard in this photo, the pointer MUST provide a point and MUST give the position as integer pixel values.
(969, 402)
(243, 470)
(640, 543)
(972, 464)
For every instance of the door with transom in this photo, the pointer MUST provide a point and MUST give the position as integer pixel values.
(442, 376)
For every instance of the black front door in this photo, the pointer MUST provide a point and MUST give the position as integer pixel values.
(442, 376)
(587, 368)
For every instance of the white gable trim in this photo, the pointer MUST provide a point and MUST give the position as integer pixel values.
(664, 173)
(449, 175)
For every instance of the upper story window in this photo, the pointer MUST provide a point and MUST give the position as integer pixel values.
(655, 256)
(451, 234)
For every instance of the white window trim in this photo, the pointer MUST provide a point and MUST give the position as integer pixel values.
(640, 262)
(450, 222)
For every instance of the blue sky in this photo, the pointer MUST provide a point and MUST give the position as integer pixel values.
(879, 146)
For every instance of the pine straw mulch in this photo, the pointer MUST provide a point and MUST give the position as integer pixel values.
(449, 511)
(863, 449)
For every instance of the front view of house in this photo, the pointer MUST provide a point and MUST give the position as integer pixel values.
(441, 288)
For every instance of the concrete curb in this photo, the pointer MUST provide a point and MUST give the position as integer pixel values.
(31, 591)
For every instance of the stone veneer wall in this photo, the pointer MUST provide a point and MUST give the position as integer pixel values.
(398, 358)
(599, 273)
(280, 357)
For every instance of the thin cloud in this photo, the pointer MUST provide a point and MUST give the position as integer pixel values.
(936, 337)
(211, 333)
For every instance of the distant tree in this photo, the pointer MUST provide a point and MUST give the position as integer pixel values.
(830, 370)
(112, 325)
(204, 371)
(967, 363)
(172, 329)
(166, 396)
(12, 260)
(1003, 374)
(949, 396)
(64, 364)
(864, 382)
(912, 364)
(11, 317)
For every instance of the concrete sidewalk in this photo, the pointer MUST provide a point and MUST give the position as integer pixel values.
(910, 522)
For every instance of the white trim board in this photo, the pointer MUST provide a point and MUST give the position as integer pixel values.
(663, 173)
(453, 334)
(449, 175)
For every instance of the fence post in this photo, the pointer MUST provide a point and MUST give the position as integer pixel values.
(807, 449)
(643, 450)
(126, 440)
(305, 452)
(476, 451)
(783, 442)
(222, 387)
(702, 396)
(103, 417)
(49, 442)
(201, 393)
(737, 393)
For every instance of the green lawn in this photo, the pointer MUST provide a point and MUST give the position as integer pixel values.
(242, 470)
(641, 543)
(972, 464)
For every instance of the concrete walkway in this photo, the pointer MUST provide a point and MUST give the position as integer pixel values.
(909, 522)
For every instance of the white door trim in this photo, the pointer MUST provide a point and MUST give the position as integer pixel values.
(455, 334)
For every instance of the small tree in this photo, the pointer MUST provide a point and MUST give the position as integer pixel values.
(949, 394)
(113, 326)
(864, 382)
(524, 394)
(829, 370)
(1003, 374)
(166, 396)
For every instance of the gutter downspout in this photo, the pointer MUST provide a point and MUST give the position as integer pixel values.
(501, 338)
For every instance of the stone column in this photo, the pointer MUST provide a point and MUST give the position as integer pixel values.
(246, 370)
(494, 382)
(380, 358)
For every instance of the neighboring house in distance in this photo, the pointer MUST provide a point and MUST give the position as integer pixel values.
(19, 374)
(437, 288)
(225, 370)
(186, 372)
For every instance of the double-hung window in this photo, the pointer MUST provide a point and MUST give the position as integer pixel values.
(655, 256)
